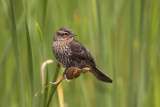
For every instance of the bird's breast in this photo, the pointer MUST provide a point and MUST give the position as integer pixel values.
(62, 53)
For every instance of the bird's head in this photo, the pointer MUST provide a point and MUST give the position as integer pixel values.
(63, 34)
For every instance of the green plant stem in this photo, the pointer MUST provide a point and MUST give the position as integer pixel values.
(53, 88)
(17, 53)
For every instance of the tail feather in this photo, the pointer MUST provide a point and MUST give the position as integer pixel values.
(101, 76)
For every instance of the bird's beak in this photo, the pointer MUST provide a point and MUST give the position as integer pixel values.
(72, 35)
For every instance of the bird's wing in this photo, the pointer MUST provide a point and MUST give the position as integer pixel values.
(80, 53)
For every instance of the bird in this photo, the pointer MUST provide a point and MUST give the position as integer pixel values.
(71, 53)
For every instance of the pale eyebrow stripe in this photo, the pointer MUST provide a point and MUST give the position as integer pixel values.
(60, 31)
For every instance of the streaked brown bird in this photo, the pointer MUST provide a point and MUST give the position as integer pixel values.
(70, 53)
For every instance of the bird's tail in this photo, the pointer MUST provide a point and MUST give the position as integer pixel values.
(101, 76)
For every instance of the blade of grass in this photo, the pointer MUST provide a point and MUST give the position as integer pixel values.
(39, 34)
(141, 74)
(44, 57)
(17, 53)
(30, 59)
(100, 38)
(53, 88)
(131, 94)
(155, 31)
(30, 63)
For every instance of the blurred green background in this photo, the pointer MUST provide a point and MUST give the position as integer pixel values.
(122, 35)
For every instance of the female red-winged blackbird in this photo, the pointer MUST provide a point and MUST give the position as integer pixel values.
(70, 53)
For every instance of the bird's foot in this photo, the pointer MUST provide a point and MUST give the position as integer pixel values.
(86, 69)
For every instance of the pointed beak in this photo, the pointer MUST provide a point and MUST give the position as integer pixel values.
(72, 35)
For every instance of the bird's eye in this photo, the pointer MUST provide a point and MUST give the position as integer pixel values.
(65, 33)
